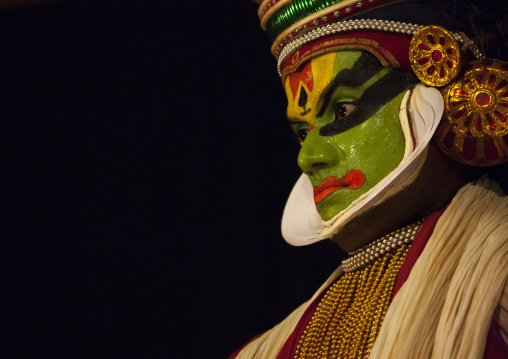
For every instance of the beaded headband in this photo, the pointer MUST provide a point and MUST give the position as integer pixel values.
(474, 128)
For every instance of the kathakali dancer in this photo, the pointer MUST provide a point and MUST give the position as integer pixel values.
(398, 113)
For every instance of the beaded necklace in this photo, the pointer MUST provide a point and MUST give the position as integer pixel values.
(348, 318)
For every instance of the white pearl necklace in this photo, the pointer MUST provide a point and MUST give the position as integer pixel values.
(376, 249)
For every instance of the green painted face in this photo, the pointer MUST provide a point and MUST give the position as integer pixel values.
(344, 107)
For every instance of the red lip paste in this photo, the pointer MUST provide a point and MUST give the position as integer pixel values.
(352, 180)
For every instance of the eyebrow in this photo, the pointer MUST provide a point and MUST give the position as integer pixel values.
(363, 69)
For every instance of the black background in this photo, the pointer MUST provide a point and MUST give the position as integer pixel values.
(146, 161)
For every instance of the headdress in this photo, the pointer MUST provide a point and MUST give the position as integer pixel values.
(416, 35)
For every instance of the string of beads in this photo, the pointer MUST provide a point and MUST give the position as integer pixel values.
(378, 248)
(344, 26)
(348, 318)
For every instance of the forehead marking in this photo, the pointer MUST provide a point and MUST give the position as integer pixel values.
(304, 76)
(302, 101)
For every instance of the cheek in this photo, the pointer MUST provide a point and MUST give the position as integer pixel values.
(375, 147)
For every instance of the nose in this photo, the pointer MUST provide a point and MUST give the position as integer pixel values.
(317, 154)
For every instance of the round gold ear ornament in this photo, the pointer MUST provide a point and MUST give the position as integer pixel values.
(474, 128)
(434, 54)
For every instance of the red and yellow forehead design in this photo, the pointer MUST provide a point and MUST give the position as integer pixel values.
(304, 88)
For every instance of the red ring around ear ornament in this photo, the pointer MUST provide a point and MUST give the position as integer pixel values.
(474, 128)
(434, 55)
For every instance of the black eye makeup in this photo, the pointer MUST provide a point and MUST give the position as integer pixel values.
(348, 115)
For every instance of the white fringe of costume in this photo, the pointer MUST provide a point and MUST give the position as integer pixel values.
(457, 285)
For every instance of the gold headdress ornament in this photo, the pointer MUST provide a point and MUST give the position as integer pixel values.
(474, 127)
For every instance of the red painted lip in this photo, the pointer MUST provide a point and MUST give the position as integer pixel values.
(352, 180)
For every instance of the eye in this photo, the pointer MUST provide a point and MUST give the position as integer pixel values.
(302, 133)
(343, 109)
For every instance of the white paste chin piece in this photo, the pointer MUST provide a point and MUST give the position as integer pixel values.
(301, 223)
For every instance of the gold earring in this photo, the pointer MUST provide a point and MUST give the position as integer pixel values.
(434, 54)
(474, 127)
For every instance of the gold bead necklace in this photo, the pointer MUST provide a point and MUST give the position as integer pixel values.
(348, 318)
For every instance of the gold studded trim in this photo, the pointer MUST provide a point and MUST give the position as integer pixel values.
(268, 8)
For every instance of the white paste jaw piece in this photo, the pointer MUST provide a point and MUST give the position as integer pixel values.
(301, 223)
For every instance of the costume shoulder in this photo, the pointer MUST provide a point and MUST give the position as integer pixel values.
(501, 314)
(457, 284)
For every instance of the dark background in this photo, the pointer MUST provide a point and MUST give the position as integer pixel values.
(146, 161)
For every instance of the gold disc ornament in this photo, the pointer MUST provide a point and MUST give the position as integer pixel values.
(474, 128)
(434, 55)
